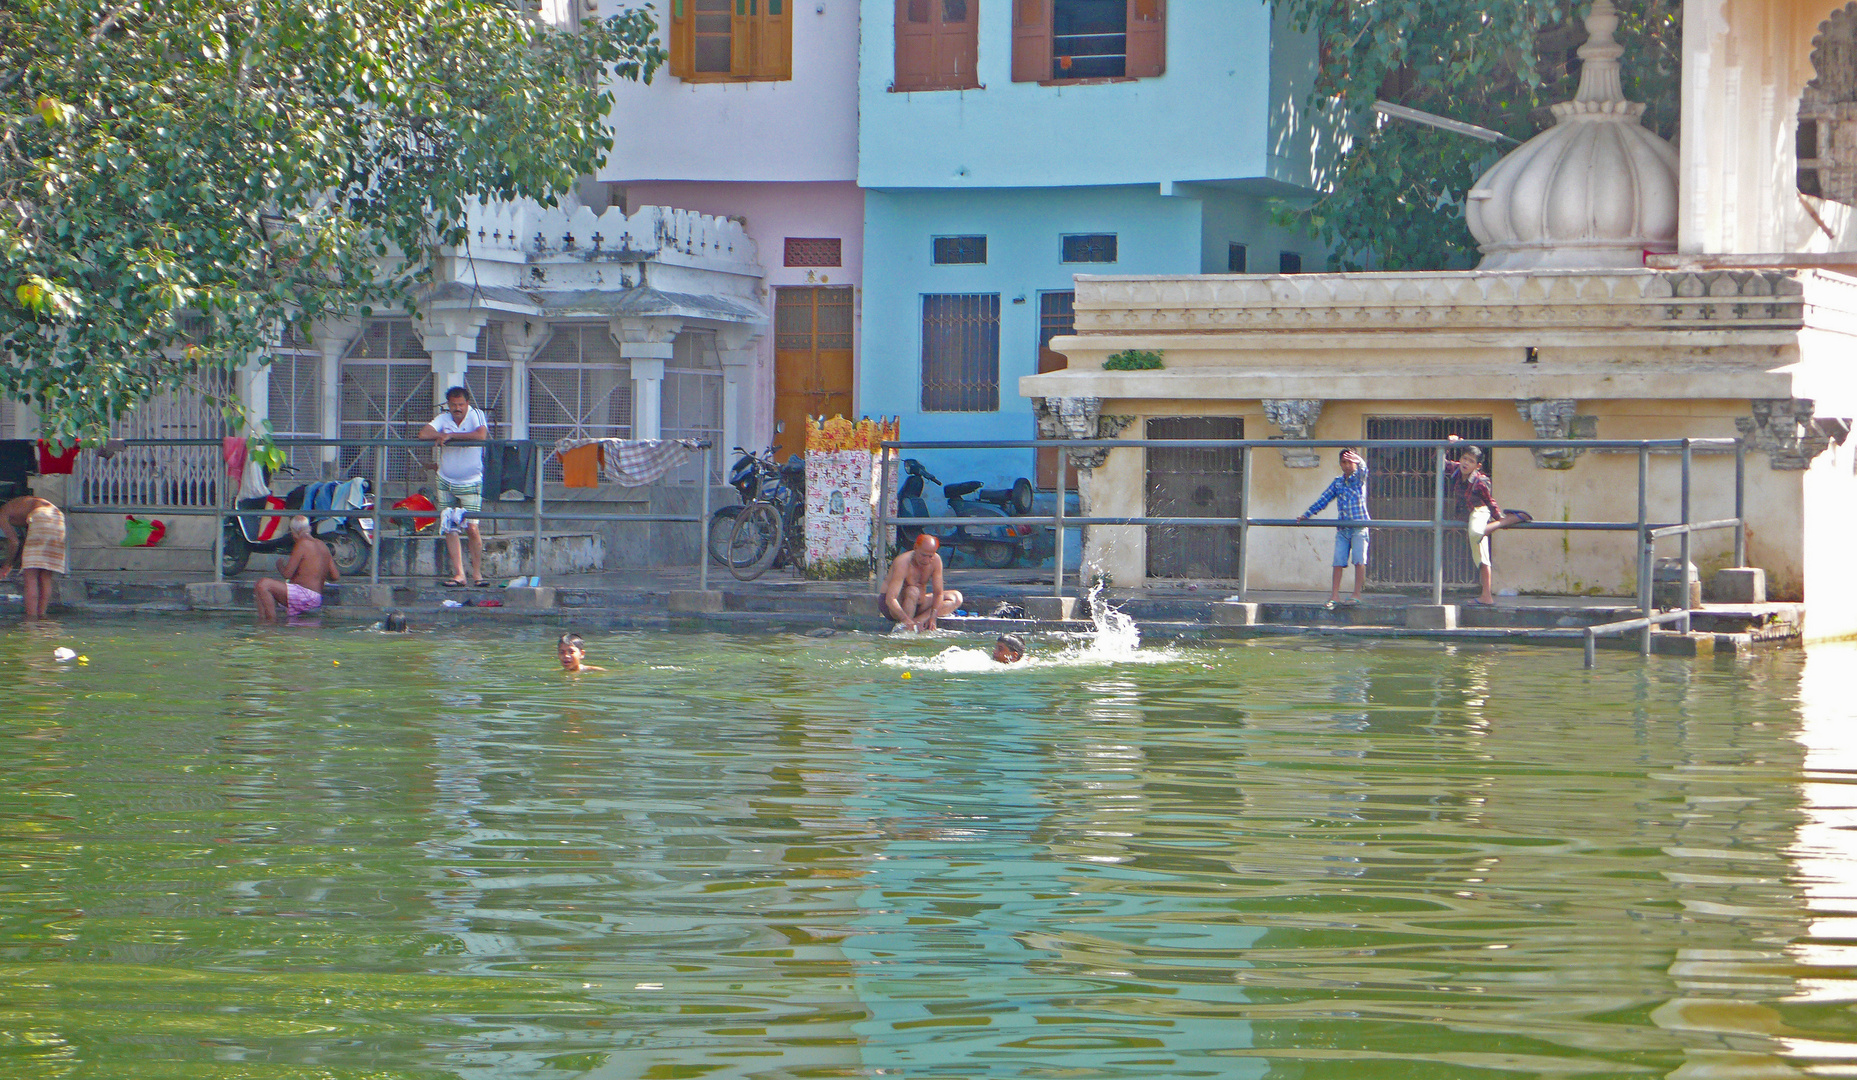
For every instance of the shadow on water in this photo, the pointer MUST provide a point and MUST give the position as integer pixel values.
(287, 853)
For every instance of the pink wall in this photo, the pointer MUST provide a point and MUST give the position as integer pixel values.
(771, 213)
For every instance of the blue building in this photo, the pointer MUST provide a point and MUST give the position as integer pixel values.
(1007, 146)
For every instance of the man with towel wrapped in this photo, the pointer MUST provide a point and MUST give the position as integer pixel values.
(40, 554)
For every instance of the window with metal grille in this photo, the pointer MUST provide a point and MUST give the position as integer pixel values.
(8, 409)
(1089, 248)
(937, 45)
(1289, 262)
(1235, 258)
(1402, 485)
(294, 408)
(691, 400)
(960, 352)
(949, 250)
(579, 387)
(387, 393)
(724, 40)
(814, 251)
(163, 475)
(1072, 40)
(1190, 482)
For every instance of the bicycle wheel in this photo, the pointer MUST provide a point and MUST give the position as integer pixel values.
(721, 528)
(757, 541)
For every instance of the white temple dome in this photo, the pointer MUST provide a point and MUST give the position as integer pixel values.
(1596, 190)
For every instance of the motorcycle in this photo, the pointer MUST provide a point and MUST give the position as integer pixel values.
(996, 546)
(350, 539)
(751, 476)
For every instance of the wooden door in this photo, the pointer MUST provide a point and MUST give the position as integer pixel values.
(1056, 317)
(812, 358)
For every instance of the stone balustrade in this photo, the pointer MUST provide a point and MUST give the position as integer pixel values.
(536, 232)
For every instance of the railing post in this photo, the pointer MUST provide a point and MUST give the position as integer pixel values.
(380, 496)
(1590, 648)
(702, 526)
(535, 557)
(1057, 556)
(880, 543)
(1646, 547)
(219, 532)
(1740, 502)
(1437, 531)
(1244, 523)
(1683, 571)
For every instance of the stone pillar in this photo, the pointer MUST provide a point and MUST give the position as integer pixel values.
(333, 337)
(254, 385)
(1296, 418)
(450, 335)
(521, 339)
(646, 343)
(738, 347)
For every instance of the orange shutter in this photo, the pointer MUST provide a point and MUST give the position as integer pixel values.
(1031, 40)
(1147, 38)
(774, 47)
(741, 38)
(682, 42)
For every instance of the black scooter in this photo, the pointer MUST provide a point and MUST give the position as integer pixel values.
(994, 545)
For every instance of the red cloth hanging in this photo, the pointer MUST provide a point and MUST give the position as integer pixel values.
(56, 463)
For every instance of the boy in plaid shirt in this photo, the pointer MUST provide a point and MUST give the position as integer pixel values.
(1349, 494)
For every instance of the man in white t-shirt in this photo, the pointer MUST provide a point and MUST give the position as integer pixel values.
(460, 478)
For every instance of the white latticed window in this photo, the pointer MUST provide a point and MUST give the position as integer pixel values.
(487, 377)
(387, 393)
(163, 475)
(295, 408)
(580, 388)
(692, 400)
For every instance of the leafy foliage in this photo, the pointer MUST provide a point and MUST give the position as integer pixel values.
(1396, 193)
(1133, 360)
(178, 178)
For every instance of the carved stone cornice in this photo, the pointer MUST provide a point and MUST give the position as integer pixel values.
(1785, 430)
(1555, 418)
(1557, 299)
(1078, 418)
(1295, 418)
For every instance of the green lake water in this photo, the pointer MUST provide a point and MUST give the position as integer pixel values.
(325, 854)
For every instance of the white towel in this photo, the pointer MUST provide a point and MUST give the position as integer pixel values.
(451, 520)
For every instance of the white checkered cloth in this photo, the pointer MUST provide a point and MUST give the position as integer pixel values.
(636, 462)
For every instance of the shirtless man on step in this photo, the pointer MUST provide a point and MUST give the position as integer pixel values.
(913, 596)
(308, 567)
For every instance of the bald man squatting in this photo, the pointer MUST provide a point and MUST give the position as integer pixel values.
(913, 595)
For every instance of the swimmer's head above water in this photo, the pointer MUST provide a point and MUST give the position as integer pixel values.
(573, 652)
(394, 623)
(1009, 649)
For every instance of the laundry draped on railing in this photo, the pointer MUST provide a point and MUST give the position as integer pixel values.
(626, 462)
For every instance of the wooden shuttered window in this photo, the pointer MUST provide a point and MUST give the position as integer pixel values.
(1076, 40)
(937, 45)
(727, 40)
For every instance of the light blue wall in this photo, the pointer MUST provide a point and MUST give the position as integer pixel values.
(1208, 117)
(1155, 235)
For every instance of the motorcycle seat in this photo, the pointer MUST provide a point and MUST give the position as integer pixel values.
(961, 490)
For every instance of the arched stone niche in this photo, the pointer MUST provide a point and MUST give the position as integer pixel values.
(1827, 134)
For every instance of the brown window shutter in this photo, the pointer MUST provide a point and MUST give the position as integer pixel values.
(1147, 38)
(915, 46)
(741, 39)
(682, 43)
(957, 55)
(776, 41)
(1031, 40)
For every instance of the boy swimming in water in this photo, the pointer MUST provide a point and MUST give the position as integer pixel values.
(1009, 649)
(573, 652)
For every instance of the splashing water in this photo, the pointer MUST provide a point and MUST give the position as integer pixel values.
(1114, 640)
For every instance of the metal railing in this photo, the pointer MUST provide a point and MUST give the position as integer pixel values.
(536, 516)
(1647, 531)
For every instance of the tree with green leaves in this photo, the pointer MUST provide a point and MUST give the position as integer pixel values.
(181, 178)
(1393, 198)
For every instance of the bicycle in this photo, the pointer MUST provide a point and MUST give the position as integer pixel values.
(771, 528)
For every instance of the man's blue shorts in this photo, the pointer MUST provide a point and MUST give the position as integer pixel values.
(1351, 545)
